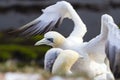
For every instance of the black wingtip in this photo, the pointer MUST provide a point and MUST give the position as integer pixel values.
(13, 32)
(22, 30)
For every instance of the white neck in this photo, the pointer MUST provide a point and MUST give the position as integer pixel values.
(80, 27)
(64, 62)
(61, 69)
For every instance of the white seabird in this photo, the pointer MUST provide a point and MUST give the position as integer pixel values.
(66, 59)
(95, 48)
(53, 16)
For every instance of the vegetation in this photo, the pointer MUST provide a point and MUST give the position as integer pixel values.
(21, 49)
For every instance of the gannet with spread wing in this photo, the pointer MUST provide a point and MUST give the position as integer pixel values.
(95, 48)
(52, 16)
(94, 53)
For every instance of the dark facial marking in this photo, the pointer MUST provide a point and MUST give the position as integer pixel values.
(50, 39)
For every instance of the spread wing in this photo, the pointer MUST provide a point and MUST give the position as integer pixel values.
(96, 46)
(51, 18)
(113, 48)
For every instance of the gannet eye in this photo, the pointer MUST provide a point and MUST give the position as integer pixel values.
(50, 39)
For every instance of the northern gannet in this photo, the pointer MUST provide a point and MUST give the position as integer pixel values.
(95, 48)
(66, 59)
(52, 17)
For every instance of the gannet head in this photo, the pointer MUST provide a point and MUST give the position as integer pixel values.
(64, 62)
(52, 38)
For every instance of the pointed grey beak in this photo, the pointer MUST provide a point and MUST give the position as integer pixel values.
(41, 42)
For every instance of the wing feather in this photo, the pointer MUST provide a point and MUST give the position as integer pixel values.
(113, 48)
(51, 18)
(50, 58)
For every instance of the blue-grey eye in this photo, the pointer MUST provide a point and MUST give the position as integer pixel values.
(50, 39)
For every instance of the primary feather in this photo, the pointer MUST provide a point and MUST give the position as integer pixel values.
(113, 48)
(52, 17)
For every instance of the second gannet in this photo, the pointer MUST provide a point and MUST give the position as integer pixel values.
(65, 60)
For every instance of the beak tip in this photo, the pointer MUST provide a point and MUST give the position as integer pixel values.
(41, 42)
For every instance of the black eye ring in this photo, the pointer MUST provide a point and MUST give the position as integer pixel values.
(50, 39)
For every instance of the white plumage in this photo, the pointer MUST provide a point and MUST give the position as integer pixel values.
(65, 60)
(113, 49)
(94, 49)
(52, 17)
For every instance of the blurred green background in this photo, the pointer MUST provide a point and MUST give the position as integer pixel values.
(21, 51)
